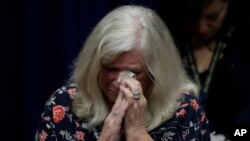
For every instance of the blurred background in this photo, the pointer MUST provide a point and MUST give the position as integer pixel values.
(39, 40)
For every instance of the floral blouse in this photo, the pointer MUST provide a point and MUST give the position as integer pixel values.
(58, 122)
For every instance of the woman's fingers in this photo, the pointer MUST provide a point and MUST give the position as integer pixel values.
(127, 95)
(120, 106)
(136, 105)
(135, 117)
(133, 84)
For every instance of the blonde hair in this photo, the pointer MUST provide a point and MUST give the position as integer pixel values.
(124, 29)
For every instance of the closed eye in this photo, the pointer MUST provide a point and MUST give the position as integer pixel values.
(110, 69)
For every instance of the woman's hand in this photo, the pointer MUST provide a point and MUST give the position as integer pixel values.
(112, 127)
(128, 109)
(135, 116)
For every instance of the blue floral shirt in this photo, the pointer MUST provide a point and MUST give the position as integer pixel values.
(58, 122)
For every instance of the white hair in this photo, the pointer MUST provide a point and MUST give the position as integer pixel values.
(124, 29)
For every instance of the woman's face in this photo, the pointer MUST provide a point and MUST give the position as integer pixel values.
(109, 73)
(211, 20)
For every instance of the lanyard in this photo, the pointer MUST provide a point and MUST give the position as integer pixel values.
(204, 88)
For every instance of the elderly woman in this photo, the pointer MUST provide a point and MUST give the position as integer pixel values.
(128, 84)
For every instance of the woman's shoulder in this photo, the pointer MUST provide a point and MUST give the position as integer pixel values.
(189, 108)
(188, 98)
(63, 95)
(69, 89)
(59, 105)
(189, 122)
(58, 121)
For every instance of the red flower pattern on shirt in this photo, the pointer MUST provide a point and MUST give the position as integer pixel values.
(58, 113)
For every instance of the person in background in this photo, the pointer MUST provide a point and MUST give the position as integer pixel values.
(128, 83)
(208, 37)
